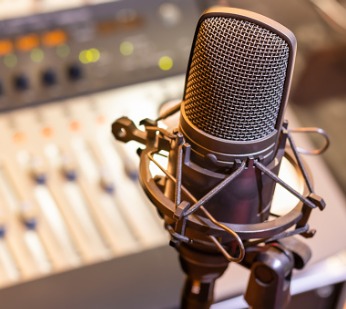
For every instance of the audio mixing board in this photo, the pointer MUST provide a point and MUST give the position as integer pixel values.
(70, 197)
(70, 191)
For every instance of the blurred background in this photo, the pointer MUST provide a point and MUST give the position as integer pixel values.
(76, 230)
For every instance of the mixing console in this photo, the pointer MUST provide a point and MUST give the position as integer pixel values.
(70, 195)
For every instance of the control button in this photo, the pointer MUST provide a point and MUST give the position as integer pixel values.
(74, 72)
(49, 77)
(21, 82)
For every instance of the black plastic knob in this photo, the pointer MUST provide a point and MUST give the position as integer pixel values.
(49, 78)
(74, 72)
(21, 82)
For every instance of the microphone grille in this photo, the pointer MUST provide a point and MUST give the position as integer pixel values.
(236, 79)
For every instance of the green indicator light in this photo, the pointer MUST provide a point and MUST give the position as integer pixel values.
(10, 60)
(63, 51)
(126, 48)
(89, 56)
(165, 63)
(37, 55)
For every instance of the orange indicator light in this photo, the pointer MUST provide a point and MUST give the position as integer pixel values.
(6, 47)
(74, 125)
(19, 137)
(27, 42)
(47, 132)
(54, 38)
(101, 119)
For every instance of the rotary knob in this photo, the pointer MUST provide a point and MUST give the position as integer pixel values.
(21, 82)
(49, 78)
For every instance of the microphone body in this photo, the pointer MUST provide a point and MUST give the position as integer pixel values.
(236, 88)
(246, 200)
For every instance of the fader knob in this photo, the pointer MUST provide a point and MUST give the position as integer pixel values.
(106, 182)
(38, 171)
(69, 169)
(3, 229)
(28, 215)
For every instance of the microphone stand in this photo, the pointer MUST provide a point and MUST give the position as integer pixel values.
(271, 272)
(271, 268)
(202, 270)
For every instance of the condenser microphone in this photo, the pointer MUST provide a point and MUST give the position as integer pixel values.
(236, 90)
(214, 191)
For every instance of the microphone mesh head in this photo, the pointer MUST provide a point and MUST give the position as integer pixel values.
(236, 79)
